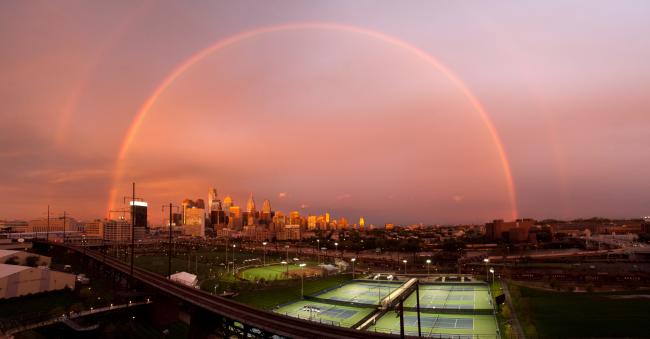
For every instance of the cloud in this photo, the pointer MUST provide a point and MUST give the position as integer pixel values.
(342, 197)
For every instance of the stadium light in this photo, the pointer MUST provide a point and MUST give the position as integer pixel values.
(353, 260)
(404, 261)
(264, 244)
(302, 282)
(428, 265)
(285, 263)
(486, 261)
(492, 271)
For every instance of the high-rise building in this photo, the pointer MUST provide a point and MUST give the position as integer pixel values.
(251, 218)
(362, 223)
(227, 203)
(139, 210)
(194, 222)
(213, 200)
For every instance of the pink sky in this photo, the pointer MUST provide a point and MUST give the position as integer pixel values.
(335, 120)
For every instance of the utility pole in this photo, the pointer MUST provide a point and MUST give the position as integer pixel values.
(64, 227)
(47, 232)
(132, 229)
(169, 252)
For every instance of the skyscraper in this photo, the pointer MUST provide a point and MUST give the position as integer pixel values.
(250, 211)
(227, 203)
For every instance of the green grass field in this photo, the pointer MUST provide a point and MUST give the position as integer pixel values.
(579, 315)
(450, 296)
(269, 272)
(437, 325)
(272, 296)
(369, 293)
(344, 316)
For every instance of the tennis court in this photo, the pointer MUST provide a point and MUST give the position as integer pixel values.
(361, 292)
(439, 325)
(345, 316)
(451, 296)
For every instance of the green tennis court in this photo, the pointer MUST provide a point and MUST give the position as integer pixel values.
(345, 316)
(452, 296)
(454, 326)
(361, 292)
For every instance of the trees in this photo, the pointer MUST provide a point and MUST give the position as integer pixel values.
(32, 260)
(13, 260)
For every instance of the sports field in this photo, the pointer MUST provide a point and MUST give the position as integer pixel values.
(278, 272)
(361, 292)
(454, 326)
(344, 316)
(452, 296)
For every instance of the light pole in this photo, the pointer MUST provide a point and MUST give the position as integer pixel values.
(233, 259)
(353, 260)
(169, 254)
(492, 271)
(264, 262)
(287, 248)
(318, 250)
(404, 261)
(486, 261)
(302, 283)
(336, 252)
(428, 265)
(287, 265)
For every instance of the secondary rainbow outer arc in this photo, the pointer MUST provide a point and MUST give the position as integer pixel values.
(230, 40)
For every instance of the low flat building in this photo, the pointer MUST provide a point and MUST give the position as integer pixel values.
(23, 258)
(16, 281)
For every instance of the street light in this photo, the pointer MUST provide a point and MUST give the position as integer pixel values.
(285, 263)
(404, 261)
(264, 244)
(353, 260)
(302, 284)
(233, 259)
(492, 271)
(318, 250)
(336, 245)
(486, 261)
(428, 265)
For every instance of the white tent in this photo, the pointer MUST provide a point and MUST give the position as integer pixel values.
(185, 278)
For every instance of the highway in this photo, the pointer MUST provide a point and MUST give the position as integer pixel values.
(264, 320)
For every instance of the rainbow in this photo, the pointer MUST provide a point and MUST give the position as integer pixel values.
(233, 39)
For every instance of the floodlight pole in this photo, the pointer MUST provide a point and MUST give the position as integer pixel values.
(169, 254)
(401, 318)
(417, 303)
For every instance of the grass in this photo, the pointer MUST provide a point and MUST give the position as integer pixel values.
(482, 326)
(270, 296)
(566, 315)
(345, 316)
(272, 272)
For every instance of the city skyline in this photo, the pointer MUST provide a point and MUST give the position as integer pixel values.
(359, 109)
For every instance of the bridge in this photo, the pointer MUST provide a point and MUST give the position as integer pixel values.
(69, 319)
(213, 313)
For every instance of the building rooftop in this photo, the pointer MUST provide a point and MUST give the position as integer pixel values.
(6, 253)
(7, 270)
